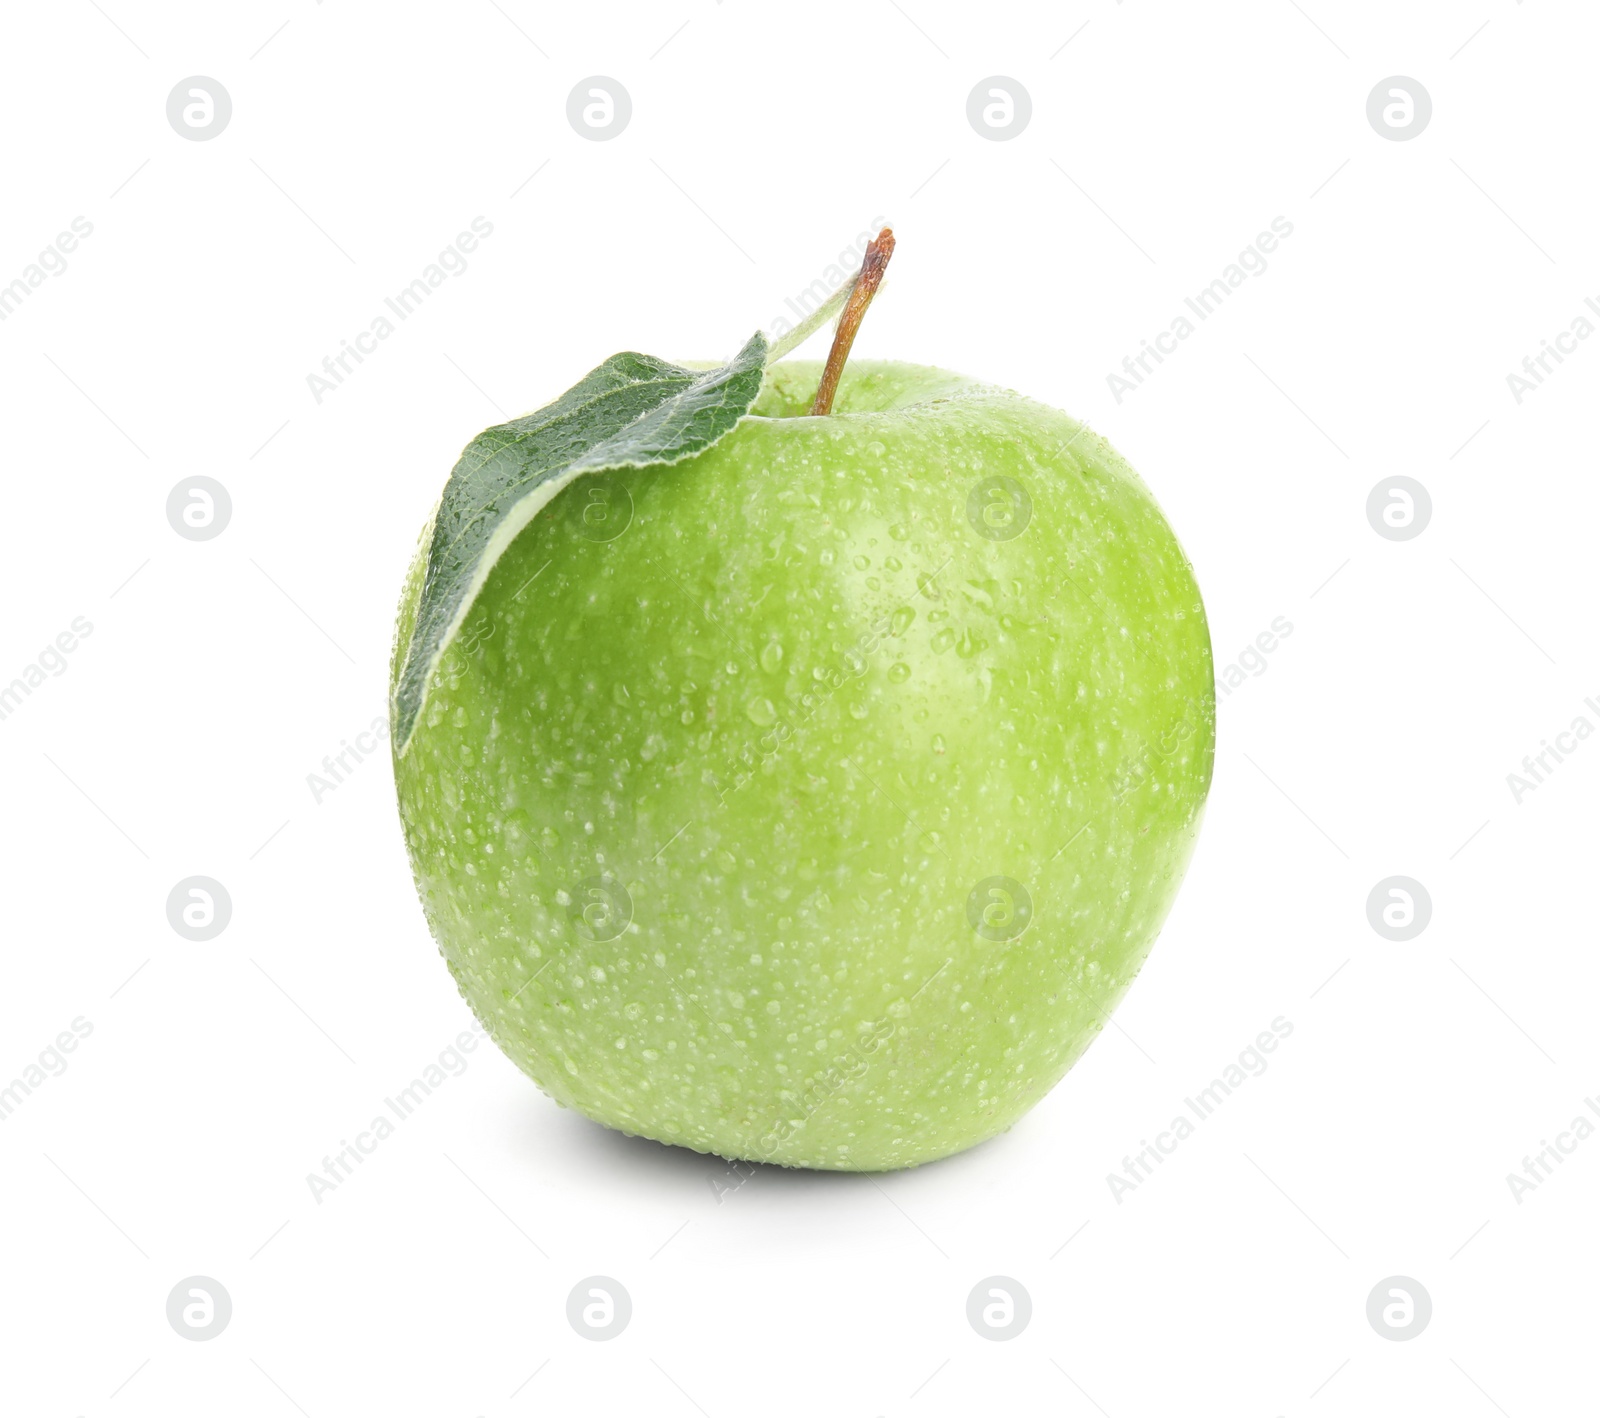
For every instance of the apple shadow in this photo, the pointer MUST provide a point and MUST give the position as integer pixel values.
(575, 1139)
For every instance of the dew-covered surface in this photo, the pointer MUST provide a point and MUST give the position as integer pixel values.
(797, 710)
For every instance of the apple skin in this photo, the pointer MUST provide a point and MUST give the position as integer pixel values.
(798, 708)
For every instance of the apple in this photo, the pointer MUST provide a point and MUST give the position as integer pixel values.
(813, 800)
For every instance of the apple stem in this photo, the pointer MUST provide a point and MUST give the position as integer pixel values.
(873, 266)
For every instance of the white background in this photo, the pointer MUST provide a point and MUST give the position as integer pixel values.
(1377, 741)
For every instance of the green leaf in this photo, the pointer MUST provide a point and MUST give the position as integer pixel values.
(633, 411)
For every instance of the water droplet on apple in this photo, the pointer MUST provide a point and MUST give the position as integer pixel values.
(899, 672)
(938, 743)
(942, 640)
(771, 656)
(900, 621)
(861, 563)
(761, 712)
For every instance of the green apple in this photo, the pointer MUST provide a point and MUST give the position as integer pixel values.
(815, 799)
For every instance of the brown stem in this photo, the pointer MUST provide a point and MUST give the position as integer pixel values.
(866, 286)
